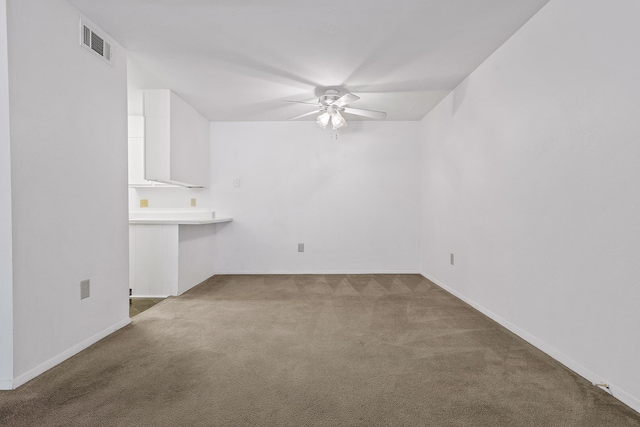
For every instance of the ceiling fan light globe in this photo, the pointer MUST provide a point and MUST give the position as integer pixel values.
(337, 120)
(323, 120)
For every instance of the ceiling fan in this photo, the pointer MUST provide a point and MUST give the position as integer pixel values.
(331, 105)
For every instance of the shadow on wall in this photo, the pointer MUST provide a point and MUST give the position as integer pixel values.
(459, 94)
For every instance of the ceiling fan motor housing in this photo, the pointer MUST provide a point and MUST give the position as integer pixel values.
(330, 96)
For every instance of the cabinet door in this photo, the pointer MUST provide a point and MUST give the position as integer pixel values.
(136, 150)
(157, 149)
(190, 132)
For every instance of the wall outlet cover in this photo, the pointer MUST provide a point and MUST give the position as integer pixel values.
(85, 289)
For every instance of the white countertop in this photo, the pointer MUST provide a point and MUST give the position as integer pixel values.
(175, 216)
(179, 221)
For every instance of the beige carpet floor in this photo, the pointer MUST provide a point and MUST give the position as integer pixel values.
(325, 350)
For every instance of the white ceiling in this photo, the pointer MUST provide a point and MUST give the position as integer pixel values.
(236, 60)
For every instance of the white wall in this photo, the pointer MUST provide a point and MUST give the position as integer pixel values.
(352, 202)
(6, 276)
(530, 176)
(170, 197)
(69, 185)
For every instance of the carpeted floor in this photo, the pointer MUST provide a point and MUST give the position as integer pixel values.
(325, 350)
(138, 305)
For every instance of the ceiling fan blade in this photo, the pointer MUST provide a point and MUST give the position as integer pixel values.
(379, 115)
(305, 115)
(345, 99)
(301, 102)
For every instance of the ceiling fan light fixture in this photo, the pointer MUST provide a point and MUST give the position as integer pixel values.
(331, 104)
(337, 120)
(323, 120)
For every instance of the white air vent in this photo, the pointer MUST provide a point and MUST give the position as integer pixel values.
(95, 42)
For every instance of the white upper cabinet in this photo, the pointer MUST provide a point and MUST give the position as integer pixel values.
(136, 151)
(176, 140)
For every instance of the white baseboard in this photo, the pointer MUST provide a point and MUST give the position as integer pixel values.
(6, 384)
(620, 394)
(43, 367)
(150, 296)
(299, 272)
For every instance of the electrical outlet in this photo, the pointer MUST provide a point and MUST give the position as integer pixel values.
(193, 203)
(236, 182)
(451, 259)
(333, 135)
(85, 289)
(144, 203)
(300, 247)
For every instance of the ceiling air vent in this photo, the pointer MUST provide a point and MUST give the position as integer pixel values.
(95, 42)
